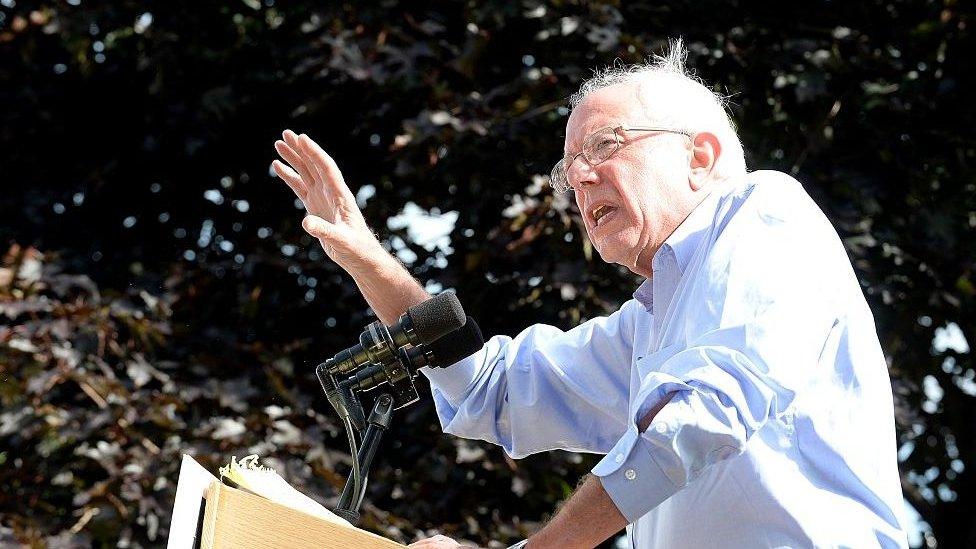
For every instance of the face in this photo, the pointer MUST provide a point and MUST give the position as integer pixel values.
(642, 192)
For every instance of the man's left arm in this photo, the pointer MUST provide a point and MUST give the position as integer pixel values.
(586, 520)
(590, 516)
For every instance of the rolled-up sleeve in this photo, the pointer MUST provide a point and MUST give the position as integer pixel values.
(693, 431)
(632, 477)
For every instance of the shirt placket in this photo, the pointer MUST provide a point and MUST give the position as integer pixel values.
(665, 281)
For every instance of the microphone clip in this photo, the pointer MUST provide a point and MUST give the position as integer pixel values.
(382, 359)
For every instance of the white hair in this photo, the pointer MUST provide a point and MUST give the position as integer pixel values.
(673, 96)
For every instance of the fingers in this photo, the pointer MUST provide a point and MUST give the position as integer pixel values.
(328, 171)
(316, 179)
(319, 228)
(291, 138)
(292, 156)
(291, 178)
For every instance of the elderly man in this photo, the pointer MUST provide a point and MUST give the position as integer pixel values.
(741, 397)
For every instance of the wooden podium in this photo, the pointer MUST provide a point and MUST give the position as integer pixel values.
(235, 518)
(208, 514)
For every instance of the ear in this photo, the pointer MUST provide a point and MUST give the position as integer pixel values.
(705, 150)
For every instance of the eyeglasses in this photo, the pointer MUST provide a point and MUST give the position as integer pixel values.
(597, 148)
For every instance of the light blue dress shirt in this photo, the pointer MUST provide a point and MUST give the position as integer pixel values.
(781, 431)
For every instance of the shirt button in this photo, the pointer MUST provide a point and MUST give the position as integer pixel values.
(619, 458)
(630, 474)
(661, 428)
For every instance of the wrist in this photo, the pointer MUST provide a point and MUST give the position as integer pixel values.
(387, 285)
(372, 261)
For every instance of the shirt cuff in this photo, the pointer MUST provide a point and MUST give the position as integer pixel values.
(453, 381)
(631, 477)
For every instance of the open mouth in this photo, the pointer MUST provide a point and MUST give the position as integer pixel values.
(601, 214)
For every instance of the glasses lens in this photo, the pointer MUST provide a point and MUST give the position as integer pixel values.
(557, 178)
(599, 146)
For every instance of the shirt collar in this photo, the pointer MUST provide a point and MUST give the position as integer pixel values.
(645, 294)
(683, 241)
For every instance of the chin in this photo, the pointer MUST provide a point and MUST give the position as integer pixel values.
(610, 253)
(617, 246)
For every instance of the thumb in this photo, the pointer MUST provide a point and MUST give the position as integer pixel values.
(318, 227)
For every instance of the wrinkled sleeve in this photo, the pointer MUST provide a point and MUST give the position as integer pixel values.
(544, 389)
(758, 314)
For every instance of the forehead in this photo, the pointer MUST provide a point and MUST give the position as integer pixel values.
(606, 107)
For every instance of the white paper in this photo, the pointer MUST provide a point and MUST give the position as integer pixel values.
(264, 481)
(190, 490)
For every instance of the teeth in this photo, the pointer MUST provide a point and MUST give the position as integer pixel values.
(599, 212)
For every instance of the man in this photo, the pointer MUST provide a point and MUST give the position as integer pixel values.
(741, 398)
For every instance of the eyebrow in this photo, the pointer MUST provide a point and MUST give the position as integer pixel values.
(612, 124)
(577, 144)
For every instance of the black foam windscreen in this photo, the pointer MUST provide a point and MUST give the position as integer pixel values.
(436, 317)
(457, 345)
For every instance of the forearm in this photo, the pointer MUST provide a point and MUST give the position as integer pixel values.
(585, 521)
(388, 287)
(590, 516)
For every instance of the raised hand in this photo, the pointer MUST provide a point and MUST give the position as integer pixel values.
(334, 217)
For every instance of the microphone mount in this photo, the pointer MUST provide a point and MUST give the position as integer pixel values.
(382, 359)
(390, 355)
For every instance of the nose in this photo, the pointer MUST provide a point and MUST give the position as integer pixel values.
(581, 174)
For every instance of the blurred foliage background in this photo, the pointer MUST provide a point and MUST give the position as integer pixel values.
(158, 296)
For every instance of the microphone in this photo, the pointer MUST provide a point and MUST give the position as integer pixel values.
(381, 356)
(449, 349)
(435, 333)
(421, 324)
(446, 351)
